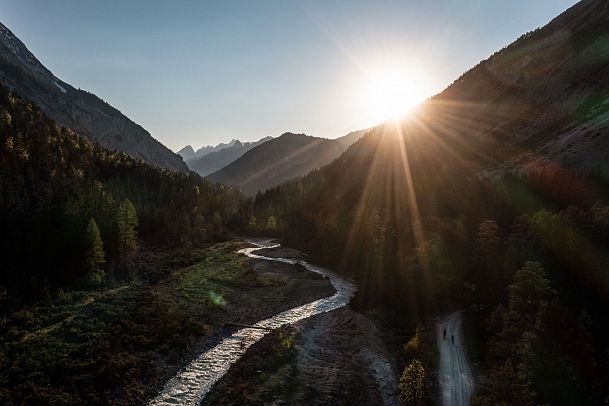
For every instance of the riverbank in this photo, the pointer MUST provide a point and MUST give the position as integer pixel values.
(339, 357)
(120, 346)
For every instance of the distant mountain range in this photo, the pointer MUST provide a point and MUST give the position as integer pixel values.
(275, 161)
(188, 152)
(81, 111)
(209, 159)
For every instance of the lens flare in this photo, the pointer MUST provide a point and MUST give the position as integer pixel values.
(392, 93)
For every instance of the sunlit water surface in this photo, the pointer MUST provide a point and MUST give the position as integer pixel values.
(195, 380)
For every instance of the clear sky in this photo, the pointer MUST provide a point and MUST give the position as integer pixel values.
(201, 72)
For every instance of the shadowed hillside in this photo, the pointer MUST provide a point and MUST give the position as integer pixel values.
(81, 111)
(277, 160)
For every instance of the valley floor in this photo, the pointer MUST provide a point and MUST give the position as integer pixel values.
(339, 357)
(121, 344)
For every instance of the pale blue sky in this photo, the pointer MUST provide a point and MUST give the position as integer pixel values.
(197, 72)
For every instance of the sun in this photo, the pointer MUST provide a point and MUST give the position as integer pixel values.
(392, 93)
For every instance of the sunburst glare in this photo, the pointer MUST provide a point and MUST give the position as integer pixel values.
(391, 92)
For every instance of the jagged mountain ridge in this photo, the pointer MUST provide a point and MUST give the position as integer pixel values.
(189, 153)
(79, 110)
(215, 161)
(186, 153)
(218, 159)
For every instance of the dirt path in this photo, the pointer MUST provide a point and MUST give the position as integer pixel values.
(455, 374)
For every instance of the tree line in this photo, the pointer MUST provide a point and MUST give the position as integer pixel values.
(73, 213)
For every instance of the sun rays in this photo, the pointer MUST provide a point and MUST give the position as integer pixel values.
(390, 93)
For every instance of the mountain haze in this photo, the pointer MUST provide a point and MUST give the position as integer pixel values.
(219, 158)
(81, 111)
(352, 137)
(186, 153)
(285, 157)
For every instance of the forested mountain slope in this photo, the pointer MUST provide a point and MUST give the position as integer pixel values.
(79, 110)
(54, 182)
(541, 101)
(277, 160)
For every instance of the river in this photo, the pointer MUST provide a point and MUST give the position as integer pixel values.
(195, 380)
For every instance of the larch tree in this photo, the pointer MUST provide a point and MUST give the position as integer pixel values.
(507, 386)
(271, 223)
(199, 231)
(488, 242)
(252, 222)
(95, 256)
(487, 251)
(527, 297)
(412, 384)
(127, 223)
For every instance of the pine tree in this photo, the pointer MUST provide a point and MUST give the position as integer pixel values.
(127, 223)
(527, 297)
(216, 221)
(415, 346)
(487, 243)
(489, 274)
(521, 242)
(199, 231)
(95, 256)
(507, 386)
(252, 222)
(271, 223)
(184, 229)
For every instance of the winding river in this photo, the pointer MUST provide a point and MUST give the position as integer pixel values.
(195, 380)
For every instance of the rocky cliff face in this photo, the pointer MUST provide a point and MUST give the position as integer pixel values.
(81, 111)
